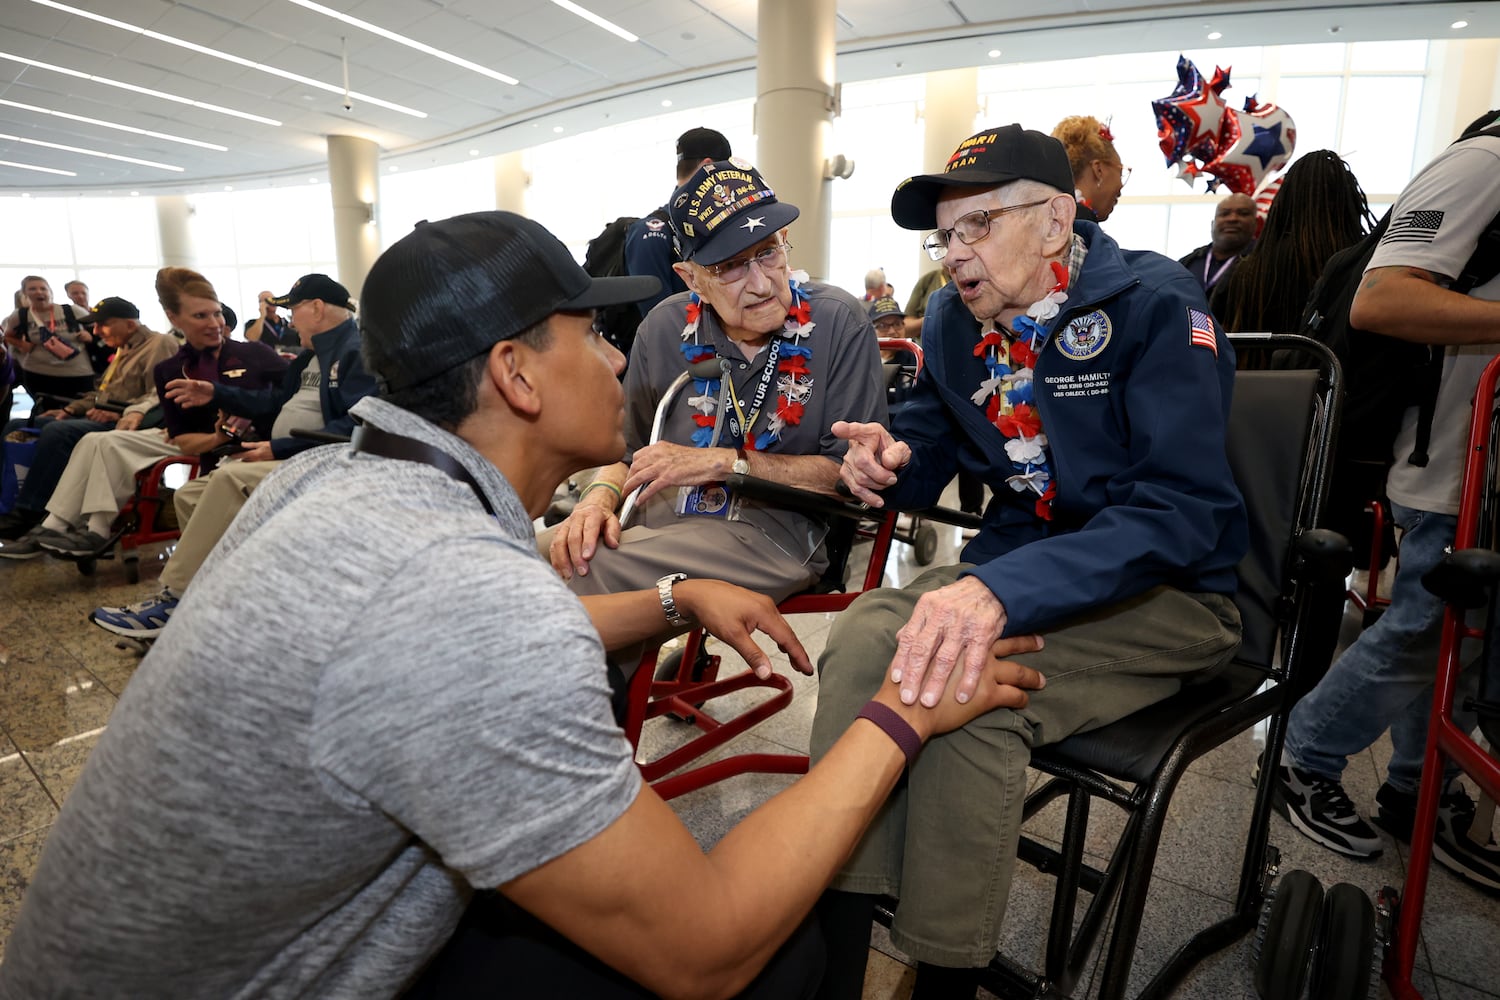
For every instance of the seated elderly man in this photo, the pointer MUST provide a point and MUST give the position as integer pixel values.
(1088, 387)
(100, 475)
(124, 397)
(793, 356)
(316, 393)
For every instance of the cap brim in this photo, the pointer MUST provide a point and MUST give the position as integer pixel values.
(614, 291)
(283, 300)
(734, 238)
(914, 204)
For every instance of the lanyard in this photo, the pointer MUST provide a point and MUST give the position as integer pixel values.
(1208, 260)
(739, 426)
(374, 441)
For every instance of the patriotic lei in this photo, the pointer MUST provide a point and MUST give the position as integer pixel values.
(1007, 394)
(793, 381)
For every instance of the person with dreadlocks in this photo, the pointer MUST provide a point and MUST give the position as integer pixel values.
(1320, 210)
(1098, 174)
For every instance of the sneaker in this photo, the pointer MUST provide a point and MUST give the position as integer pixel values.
(78, 544)
(1320, 808)
(18, 522)
(1451, 846)
(143, 620)
(28, 546)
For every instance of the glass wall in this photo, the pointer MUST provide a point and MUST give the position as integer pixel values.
(1344, 97)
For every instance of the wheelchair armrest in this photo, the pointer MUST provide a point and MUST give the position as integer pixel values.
(1327, 554)
(791, 497)
(947, 515)
(110, 407)
(322, 437)
(1461, 577)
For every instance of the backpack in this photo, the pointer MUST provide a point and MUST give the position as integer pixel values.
(605, 258)
(1383, 375)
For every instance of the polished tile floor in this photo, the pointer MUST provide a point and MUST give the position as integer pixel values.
(60, 676)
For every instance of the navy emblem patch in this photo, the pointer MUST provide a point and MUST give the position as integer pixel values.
(1085, 336)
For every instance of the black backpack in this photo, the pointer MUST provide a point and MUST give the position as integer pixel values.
(605, 258)
(1383, 376)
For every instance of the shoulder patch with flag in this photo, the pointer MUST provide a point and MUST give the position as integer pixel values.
(1201, 330)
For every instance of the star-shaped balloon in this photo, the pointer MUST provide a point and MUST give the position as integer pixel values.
(1253, 144)
(1189, 120)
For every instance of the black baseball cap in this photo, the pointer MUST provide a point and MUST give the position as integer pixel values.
(725, 207)
(450, 290)
(703, 144)
(986, 159)
(315, 286)
(114, 307)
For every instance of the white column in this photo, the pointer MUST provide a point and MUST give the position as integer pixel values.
(794, 84)
(354, 181)
(948, 108)
(173, 231)
(511, 182)
(1463, 82)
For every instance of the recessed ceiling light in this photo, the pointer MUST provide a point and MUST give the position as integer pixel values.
(228, 187)
(90, 152)
(312, 180)
(473, 152)
(40, 170)
(104, 124)
(135, 194)
(25, 194)
(410, 43)
(393, 168)
(1459, 24)
(557, 128)
(593, 18)
(140, 90)
(1214, 36)
(227, 57)
(994, 53)
(666, 103)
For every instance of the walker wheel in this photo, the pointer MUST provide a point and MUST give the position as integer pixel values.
(926, 545)
(1286, 936)
(87, 565)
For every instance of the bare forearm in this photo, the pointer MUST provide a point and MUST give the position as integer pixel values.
(805, 472)
(1408, 303)
(626, 618)
(253, 331)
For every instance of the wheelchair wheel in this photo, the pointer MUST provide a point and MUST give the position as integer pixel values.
(1347, 963)
(1285, 939)
(925, 545)
(132, 561)
(87, 565)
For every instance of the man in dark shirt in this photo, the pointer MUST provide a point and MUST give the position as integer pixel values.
(1232, 236)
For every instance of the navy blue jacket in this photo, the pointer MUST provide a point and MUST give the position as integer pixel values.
(1135, 416)
(342, 382)
(649, 250)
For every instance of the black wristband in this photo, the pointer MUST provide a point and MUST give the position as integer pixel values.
(897, 728)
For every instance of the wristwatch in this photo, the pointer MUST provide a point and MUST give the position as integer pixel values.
(668, 605)
(741, 466)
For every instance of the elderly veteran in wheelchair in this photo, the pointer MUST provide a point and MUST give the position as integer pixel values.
(1089, 388)
(776, 359)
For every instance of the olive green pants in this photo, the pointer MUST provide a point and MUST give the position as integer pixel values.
(945, 841)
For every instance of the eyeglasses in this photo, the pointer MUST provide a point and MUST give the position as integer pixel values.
(1124, 176)
(772, 258)
(887, 323)
(969, 229)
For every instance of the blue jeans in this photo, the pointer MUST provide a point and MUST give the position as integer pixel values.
(1384, 680)
(54, 447)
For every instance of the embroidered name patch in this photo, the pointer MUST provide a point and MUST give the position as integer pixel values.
(1085, 336)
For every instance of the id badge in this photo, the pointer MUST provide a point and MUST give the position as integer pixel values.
(707, 500)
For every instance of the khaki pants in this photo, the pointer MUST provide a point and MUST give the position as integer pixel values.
(945, 841)
(206, 506)
(100, 475)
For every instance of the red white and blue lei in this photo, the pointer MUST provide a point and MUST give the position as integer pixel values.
(1008, 398)
(793, 380)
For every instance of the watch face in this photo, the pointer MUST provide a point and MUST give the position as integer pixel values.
(741, 466)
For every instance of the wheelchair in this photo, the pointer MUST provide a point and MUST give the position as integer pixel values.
(146, 517)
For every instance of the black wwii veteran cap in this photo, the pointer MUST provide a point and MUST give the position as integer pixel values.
(724, 208)
(448, 291)
(990, 158)
(315, 286)
(114, 307)
(703, 144)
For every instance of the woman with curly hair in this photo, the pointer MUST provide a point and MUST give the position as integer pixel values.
(1098, 174)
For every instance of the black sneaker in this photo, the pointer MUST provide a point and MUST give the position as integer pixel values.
(1320, 808)
(18, 522)
(1451, 845)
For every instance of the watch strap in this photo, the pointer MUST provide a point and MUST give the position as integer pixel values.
(668, 603)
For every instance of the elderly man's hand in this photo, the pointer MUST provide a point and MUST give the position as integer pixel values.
(1001, 683)
(189, 392)
(953, 625)
(733, 615)
(99, 416)
(260, 451)
(871, 461)
(663, 464)
(129, 421)
(577, 537)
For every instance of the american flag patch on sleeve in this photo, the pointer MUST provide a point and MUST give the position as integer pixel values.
(1414, 227)
(1201, 330)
